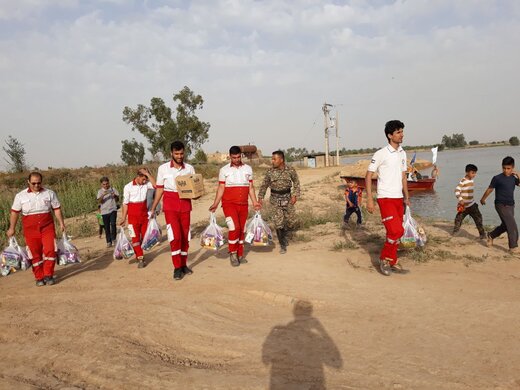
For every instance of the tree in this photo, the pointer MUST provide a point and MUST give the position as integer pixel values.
(514, 141)
(160, 128)
(455, 141)
(475, 142)
(16, 154)
(200, 156)
(132, 152)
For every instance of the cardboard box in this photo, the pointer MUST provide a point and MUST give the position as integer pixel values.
(190, 186)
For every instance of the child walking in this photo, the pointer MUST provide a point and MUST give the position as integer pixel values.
(467, 205)
(504, 185)
(353, 200)
(100, 221)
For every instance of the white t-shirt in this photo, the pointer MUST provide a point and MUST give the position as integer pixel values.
(30, 203)
(389, 164)
(167, 173)
(135, 193)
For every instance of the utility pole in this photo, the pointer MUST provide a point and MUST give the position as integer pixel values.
(326, 122)
(337, 138)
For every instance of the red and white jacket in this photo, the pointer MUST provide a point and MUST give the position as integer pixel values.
(134, 196)
(236, 180)
(166, 176)
(32, 203)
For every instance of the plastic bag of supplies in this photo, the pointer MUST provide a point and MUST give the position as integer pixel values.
(67, 251)
(152, 236)
(123, 248)
(258, 232)
(411, 237)
(212, 237)
(13, 258)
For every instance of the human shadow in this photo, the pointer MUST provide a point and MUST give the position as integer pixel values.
(370, 242)
(94, 264)
(299, 351)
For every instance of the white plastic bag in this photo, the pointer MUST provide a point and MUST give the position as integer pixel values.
(258, 232)
(67, 251)
(152, 236)
(12, 257)
(123, 248)
(411, 237)
(212, 237)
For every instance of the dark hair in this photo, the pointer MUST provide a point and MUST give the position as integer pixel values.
(471, 168)
(508, 161)
(392, 126)
(176, 145)
(280, 154)
(34, 174)
(104, 178)
(235, 150)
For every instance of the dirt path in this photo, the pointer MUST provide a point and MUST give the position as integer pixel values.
(451, 323)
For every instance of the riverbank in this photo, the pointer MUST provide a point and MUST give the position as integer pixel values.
(450, 323)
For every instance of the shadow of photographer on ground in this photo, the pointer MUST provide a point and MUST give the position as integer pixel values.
(297, 352)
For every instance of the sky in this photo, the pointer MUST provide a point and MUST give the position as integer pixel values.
(264, 69)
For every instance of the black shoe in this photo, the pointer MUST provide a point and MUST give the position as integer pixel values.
(49, 280)
(242, 260)
(233, 259)
(141, 264)
(177, 274)
(186, 270)
(40, 283)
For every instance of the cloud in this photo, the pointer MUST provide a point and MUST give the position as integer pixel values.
(264, 69)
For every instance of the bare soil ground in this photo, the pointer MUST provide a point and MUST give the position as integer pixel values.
(320, 316)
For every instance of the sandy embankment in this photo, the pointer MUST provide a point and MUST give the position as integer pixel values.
(451, 323)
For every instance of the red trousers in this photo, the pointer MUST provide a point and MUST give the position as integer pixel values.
(40, 238)
(139, 224)
(178, 226)
(238, 215)
(392, 210)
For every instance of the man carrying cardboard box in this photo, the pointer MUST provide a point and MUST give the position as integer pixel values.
(176, 210)
(235, 185)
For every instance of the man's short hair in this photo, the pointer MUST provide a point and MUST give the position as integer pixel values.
(392, 126)
(508, 161)
(103, 179)
(35, 174)
(280, 154)
(235, 150)
(471, 168)
(176, 145)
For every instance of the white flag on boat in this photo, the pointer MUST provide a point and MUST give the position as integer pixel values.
(434, 154)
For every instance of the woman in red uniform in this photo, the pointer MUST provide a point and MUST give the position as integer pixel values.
(134, 205)
(36, 203)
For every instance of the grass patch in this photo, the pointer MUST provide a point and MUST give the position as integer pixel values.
(475, 259)
(340, 246)
(301, 237)
(308, 218)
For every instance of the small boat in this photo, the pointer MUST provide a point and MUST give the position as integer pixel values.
(418, 185)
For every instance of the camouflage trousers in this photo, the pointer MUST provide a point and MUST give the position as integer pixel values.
(474, 212)
(283, 212)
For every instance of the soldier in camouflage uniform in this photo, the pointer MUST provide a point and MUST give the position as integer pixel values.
(285, 190)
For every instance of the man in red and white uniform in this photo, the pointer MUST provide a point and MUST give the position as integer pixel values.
(234, 188)
(134, 205)
(390, 165)
(176, 211)
(36, 204)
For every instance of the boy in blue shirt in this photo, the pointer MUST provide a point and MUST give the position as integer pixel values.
(504, 185)
(353, 200)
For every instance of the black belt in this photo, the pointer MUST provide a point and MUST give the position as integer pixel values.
(281, 192)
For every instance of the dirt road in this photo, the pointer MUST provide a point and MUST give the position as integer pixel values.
(310, 319)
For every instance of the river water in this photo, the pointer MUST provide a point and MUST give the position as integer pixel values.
(441, 203)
